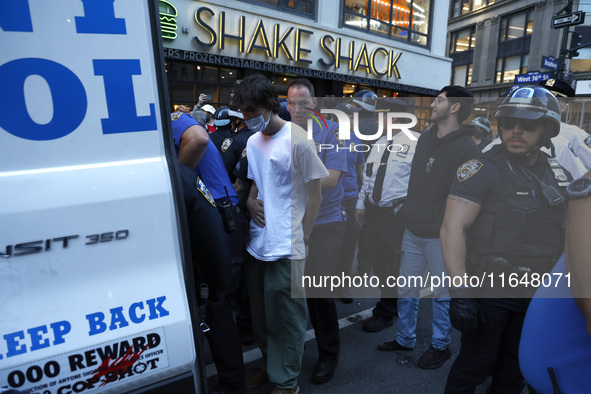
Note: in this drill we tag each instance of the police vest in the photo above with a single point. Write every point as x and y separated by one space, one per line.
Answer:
516 221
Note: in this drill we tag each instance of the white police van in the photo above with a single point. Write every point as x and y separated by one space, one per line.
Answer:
95 284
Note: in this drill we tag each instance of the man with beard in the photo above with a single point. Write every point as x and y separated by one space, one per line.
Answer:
504 218
439 152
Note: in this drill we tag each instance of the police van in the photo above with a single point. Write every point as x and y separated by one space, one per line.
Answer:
96 289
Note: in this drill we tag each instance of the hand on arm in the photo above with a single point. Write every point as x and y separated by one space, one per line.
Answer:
255 206
192 147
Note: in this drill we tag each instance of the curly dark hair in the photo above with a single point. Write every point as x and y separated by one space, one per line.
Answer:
459 94
256 91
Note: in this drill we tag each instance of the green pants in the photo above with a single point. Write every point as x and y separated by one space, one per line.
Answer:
279 321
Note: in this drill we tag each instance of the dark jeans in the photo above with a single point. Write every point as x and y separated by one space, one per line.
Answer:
491 350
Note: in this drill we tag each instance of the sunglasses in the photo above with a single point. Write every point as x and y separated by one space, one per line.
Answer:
526 124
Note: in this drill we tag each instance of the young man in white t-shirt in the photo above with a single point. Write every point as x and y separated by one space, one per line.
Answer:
283 204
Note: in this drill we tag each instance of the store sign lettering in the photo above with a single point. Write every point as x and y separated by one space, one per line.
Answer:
291 43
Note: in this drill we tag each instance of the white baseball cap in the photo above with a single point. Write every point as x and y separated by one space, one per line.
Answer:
208 108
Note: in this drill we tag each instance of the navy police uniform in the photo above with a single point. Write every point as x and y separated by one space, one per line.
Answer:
212 262
520 229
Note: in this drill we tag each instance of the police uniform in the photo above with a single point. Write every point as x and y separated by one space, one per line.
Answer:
212 259
233 151
351 190
324 243
385 184
519 230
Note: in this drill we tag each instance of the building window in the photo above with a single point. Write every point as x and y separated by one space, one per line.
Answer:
305 8
461 50
406 20
514 44
462 75
461 7
520 24
462 40
509 67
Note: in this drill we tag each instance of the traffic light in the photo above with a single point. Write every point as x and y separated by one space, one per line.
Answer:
575 43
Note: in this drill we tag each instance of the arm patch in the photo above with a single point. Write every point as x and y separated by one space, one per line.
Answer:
468 169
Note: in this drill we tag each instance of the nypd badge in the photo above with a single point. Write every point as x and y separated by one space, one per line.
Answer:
175 115
243 155
205 191
336 135
559 174
468 169
403 152
226 144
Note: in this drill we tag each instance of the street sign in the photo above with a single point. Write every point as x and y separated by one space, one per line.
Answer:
549 62
576 18
583 87
531 77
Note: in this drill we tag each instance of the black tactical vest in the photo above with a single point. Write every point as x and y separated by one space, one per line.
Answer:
516 221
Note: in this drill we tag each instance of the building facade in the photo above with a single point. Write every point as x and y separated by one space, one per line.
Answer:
396 48
495 44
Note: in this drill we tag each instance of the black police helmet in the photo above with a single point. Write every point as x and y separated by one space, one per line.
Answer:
366 99
483 123
222 117
532 103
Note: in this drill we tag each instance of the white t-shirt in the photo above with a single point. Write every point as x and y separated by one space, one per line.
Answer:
281 165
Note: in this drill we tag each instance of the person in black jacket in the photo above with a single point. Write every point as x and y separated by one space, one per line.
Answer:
439 153
212 265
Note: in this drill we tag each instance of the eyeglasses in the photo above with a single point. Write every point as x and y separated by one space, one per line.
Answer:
526 124
441 99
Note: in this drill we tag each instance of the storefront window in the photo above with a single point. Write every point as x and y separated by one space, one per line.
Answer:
300 7
406 20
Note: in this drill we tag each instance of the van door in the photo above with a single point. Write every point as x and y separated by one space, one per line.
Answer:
94 294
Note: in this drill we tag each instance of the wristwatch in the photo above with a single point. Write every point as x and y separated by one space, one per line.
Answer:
579 188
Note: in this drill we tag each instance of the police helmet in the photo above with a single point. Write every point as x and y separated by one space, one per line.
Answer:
366 99
483 123
532 103
221 117
235 114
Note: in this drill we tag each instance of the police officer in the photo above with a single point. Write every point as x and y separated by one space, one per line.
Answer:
233 148
366 101
483 136
329 229
385 184
212 266
509 203
223 128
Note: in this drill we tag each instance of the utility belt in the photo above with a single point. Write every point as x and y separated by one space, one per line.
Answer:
228 213
508 265
392 209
